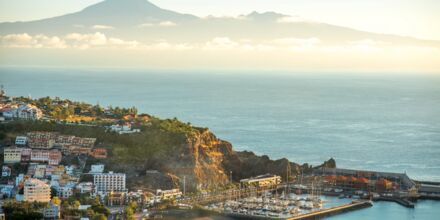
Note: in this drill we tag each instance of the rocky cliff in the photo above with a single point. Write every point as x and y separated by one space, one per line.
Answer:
207 162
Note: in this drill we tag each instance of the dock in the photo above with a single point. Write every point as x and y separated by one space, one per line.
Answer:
401 201
356 205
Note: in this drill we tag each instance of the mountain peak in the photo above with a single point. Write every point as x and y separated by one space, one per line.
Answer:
130 11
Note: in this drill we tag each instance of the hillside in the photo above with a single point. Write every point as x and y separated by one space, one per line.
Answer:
173 148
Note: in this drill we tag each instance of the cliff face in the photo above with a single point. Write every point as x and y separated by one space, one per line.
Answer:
201 161
206 161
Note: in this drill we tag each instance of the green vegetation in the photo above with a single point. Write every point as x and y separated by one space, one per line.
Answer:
23 210
130 210
97 209
62 109
157 139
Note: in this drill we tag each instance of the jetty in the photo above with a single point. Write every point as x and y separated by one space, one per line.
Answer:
355 205
401 201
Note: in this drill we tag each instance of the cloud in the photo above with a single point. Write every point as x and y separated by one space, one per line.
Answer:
102 27
312 46
313 41
167 24
73 40
160 24
27 41
144 25
291 19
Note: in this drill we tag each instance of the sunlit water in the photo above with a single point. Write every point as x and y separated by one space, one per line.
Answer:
385 122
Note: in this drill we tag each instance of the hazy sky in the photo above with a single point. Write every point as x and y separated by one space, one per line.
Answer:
418 18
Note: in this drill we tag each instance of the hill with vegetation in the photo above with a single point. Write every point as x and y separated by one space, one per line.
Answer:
168 148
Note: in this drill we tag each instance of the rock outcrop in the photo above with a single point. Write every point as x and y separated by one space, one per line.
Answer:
207 162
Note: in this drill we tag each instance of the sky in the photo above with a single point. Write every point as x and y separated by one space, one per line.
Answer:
299 41
416 18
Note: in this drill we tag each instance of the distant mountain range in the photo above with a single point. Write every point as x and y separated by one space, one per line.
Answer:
143 21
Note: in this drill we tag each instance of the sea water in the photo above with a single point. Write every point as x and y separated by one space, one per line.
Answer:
384 122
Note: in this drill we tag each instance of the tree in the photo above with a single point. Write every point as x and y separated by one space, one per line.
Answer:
99 217
129 212
76 204
56 201
90 213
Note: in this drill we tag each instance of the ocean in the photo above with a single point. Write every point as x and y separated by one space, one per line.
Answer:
384 122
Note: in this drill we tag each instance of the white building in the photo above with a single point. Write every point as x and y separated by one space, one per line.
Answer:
29 112
19 179
12 155
21 140
9 112
64 192
169 194
266 180
97 168
6 171
70 170
109 182
85 187
123 129
51 212
36 190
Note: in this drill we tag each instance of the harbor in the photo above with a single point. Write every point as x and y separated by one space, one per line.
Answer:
291 208
324 193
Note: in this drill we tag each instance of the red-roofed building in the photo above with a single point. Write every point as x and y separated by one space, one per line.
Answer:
99 153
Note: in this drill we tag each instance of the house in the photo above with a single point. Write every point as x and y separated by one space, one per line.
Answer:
26 154
52 211
19 179
9 112
99 153
55 157
54 170
7 190
85 187
116 198
29 112
266 180
123 129
6 171
40 171
36 190
64 192
21 140
12 155
97 168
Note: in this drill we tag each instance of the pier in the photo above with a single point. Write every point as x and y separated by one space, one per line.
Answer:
401 201
356 205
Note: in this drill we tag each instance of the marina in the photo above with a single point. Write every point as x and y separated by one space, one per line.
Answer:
292 206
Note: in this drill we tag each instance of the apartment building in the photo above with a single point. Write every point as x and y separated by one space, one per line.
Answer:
12 155
36 190
52 157
44 140
109 182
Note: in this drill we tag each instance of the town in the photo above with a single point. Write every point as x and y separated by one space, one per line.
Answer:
54 175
